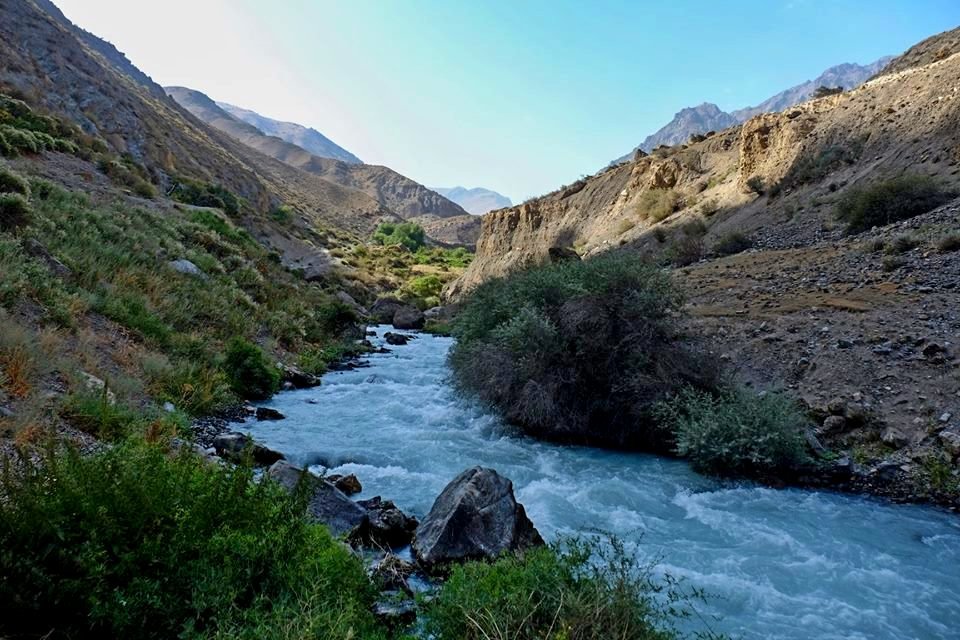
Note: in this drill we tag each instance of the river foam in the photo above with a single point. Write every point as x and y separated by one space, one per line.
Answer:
787 564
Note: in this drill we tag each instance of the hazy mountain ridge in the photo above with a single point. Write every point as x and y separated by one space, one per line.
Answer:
477 200
305 137
402 196
709 117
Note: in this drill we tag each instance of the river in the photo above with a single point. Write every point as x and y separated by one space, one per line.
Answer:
778 563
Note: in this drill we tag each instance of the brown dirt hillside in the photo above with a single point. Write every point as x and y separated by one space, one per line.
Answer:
803 159
399 194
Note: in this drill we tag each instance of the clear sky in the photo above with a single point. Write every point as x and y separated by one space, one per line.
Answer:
519 96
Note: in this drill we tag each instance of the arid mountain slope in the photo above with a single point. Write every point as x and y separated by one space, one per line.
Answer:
304 137
902 122
401 195
70 72
709 117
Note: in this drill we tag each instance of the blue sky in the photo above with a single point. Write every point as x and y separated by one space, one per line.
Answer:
517 96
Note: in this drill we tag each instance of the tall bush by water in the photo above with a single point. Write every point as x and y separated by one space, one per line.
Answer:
578 351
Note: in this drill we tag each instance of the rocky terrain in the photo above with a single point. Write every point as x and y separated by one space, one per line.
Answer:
477 200
304 137
863 328
709 117
399 194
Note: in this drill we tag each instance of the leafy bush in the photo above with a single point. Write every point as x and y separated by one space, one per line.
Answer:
756 184
250 372
202 194
902 244
406 234
657 204
282 214
736 432
883 203
424 287
11 182
576 351
15 211
335 317
823 91
576 589
731 243
133 543
196 388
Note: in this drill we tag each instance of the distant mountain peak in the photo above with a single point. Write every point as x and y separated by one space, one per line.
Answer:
476 200
304 137
709 117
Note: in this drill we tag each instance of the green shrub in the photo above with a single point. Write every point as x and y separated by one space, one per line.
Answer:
20 140
202 194
572 590
130 309
883 203
6 149
902 244
134 543
15 211
737 432
406 234
949 243
756 184
816 164
334 318
193 387
731 243
11 182
576 351
282 214
250 372
892 263
657 204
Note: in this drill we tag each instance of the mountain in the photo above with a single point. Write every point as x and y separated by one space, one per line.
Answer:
304 137
477 200
399 194
709 117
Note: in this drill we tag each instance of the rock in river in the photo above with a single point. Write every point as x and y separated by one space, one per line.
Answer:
407 317
476 516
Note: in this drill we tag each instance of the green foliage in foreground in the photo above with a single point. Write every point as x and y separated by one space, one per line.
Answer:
576 590
406 234
737 432
577 351
250 372
883 203
132 543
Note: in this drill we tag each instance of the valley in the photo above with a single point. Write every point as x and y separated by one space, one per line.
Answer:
252 386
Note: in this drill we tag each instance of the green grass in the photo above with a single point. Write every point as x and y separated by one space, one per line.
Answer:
580 589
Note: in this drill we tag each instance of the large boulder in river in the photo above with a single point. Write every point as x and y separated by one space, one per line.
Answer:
476 516
328 505
408 317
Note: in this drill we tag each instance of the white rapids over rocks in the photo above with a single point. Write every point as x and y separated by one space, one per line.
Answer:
778 563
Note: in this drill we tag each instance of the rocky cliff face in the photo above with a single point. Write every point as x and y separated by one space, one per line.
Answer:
900 122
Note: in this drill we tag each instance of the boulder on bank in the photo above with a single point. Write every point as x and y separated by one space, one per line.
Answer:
396 339
349 484
407 317
389 527
266 413
328 505
476 516
298 379
382 311
234 446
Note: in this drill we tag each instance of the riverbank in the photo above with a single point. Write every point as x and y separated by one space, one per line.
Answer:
770 556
